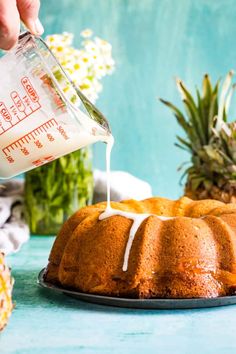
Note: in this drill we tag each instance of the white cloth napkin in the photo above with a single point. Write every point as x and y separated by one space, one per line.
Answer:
123 186
13 228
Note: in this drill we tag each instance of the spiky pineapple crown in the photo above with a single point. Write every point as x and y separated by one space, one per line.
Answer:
210 138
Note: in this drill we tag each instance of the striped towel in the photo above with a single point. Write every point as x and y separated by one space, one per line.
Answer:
13 228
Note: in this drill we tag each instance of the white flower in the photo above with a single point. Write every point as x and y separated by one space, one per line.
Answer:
104 46
87 33
86 65
110 66
64 39
99 70
87 59
91 47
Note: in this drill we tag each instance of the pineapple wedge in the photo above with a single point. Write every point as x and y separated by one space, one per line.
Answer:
6 285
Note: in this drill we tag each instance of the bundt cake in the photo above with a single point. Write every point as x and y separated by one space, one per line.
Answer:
182 249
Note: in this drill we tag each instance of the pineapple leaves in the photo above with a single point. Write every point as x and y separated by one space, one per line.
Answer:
212 113
197 131
221 117
184 92
179 116
201 113
206 88
192 111
210 139
184 143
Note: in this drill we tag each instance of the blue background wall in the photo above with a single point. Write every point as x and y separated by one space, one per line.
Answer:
153 41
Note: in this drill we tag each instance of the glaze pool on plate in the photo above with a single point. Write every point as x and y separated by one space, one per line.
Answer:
140 303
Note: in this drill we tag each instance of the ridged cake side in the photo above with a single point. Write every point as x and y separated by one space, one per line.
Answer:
192 254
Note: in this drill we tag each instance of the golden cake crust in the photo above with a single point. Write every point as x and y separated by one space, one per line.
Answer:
191 254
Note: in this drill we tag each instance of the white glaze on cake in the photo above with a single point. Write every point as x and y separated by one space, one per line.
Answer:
109 212
137 221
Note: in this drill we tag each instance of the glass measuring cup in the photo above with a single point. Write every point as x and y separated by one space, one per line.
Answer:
43 116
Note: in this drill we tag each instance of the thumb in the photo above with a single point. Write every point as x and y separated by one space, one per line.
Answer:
29 11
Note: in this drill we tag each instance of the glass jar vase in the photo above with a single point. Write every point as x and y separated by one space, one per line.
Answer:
53 192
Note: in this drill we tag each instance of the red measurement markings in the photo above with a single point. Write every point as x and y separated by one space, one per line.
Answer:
29 89
10 159
63 133
27 115
14 111
22 108
31 135
38 144
40 162
5 113
25 151
27 101
37 163
18 101
50 137
49 158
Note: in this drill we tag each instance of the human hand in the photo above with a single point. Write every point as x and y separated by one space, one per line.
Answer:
11 13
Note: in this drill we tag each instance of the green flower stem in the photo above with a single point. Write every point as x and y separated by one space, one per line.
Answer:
55 191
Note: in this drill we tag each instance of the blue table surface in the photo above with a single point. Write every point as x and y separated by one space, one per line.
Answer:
45 322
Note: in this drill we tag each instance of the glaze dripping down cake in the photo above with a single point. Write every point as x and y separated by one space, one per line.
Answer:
182 249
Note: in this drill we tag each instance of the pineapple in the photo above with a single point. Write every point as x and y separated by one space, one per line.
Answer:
210 139
6 284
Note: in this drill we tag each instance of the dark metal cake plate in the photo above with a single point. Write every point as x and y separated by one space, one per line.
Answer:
139 303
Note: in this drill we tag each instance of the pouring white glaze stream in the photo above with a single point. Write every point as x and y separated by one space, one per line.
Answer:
109 211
